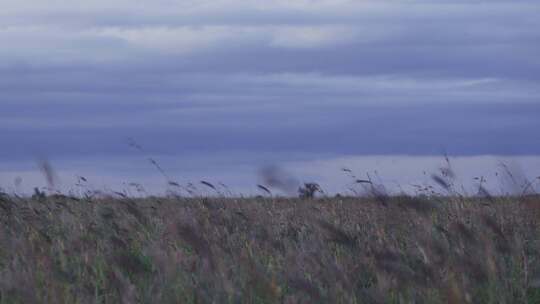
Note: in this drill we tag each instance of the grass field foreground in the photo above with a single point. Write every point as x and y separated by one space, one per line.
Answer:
58 249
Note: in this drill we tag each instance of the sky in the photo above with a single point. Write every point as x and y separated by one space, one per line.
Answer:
217 90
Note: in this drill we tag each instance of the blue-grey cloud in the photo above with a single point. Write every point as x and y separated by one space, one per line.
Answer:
315 78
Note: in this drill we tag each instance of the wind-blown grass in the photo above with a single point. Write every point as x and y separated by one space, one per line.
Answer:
56 249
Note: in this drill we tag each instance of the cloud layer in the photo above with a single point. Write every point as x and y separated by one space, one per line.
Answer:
315 78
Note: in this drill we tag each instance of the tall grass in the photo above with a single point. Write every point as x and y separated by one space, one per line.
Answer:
429 249
439 246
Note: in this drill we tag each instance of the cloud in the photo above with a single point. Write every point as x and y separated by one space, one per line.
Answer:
59 31
321 77
178 39
187 39
310 37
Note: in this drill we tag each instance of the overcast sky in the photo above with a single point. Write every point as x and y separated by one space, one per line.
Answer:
229 85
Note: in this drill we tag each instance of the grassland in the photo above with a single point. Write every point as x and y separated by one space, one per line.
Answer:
57 249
